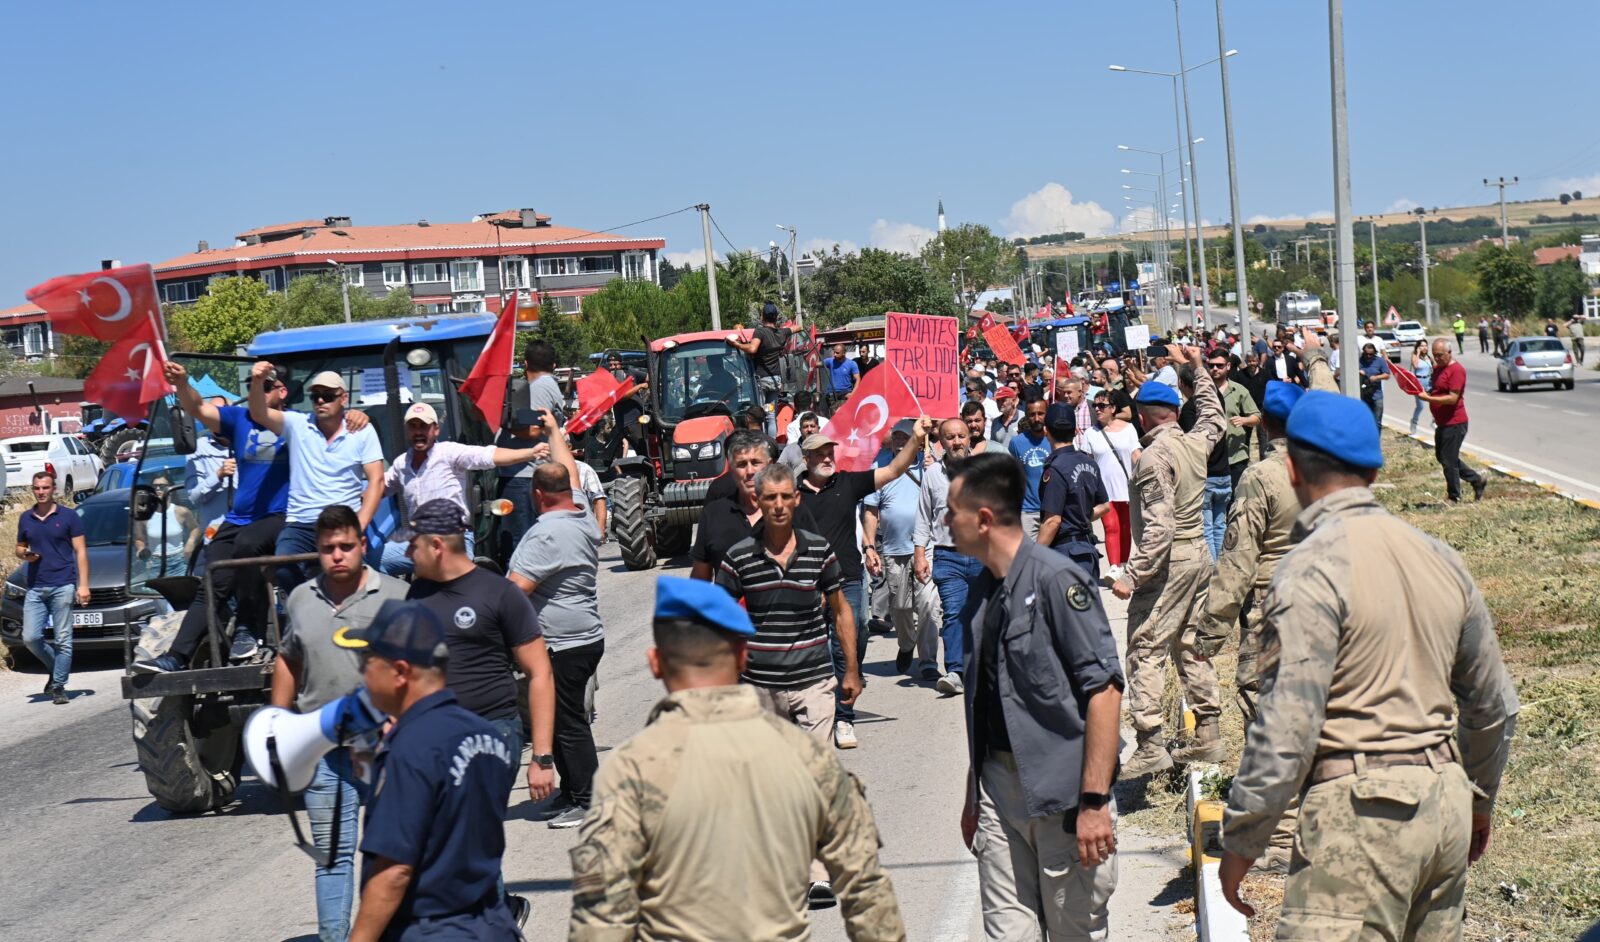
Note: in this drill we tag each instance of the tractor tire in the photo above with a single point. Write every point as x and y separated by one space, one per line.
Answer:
108 447
629 525
187 770
673 541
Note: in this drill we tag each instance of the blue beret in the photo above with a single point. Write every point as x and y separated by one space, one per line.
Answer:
704 602
1280 398
1157 393
1338 426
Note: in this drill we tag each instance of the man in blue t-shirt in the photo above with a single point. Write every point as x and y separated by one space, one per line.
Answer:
50 540
842 372
1030 447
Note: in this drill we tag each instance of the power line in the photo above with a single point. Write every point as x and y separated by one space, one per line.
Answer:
587 233
731 247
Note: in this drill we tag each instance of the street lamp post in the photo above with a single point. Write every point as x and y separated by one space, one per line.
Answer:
1427 293
1372 230
344 287
794 270
1233 186
1194 166
1349 378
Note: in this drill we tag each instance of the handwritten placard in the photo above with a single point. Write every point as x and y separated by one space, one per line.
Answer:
924 349
1136 336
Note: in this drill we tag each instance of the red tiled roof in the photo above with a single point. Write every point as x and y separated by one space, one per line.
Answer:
1552 255
411 241
29 310
282 227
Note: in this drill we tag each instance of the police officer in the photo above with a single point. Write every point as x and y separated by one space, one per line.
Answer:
754 798
1168 568
435 827
1394 737
1043 697
1071 494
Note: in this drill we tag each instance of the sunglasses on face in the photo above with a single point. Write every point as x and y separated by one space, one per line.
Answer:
1102 405
326 396
270 385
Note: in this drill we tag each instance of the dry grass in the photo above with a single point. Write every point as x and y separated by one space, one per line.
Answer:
9 509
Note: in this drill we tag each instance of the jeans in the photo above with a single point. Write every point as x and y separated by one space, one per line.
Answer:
1416 414
336 884
1447 441
952 574
294 539
1219 492
1376 405
854 595
1483 342
52 602
576 759
239 591
395 562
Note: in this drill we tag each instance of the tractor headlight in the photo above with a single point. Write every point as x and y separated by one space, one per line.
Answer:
682 453
711 450
14 591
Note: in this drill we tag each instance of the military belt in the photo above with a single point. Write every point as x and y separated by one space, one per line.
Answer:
1339 764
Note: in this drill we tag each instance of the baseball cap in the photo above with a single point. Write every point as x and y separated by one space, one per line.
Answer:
423 411
438 517
1005 392
327 379
907 427
401 631
705 603
1061 417
816 440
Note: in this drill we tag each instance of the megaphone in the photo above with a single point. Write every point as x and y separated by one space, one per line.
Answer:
283 742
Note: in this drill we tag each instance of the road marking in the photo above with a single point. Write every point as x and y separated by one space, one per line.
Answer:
1400 426
960 906
1535 405
1581 415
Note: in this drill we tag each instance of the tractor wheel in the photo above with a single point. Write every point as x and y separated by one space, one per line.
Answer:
190 767
629 525
673 541
108 447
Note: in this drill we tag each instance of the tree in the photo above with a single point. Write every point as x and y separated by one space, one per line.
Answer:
76 357
1577 194
871 282
626 314
1565 199
1507 282
1562 287
563 332
228 316
745 282
972 253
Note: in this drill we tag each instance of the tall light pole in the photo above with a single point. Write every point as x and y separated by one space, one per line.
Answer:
344 287
1372 230
1233 187
1502 183
1164 300
1194 166
711 266
1427 293
794 269
1342 220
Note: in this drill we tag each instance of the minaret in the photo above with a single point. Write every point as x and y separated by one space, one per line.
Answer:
941 213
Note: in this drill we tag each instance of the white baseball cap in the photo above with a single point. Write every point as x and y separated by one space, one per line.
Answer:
327 379
423 411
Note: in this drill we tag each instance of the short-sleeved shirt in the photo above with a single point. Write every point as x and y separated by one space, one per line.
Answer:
1377 366
560 553
1033 453
723 523
1449 379
790 646
441 784
443 474
262 475
327 671
896 503
324 471
834 510
843 372
545 393
51 537
1238 402
769 356
1071 488
485 619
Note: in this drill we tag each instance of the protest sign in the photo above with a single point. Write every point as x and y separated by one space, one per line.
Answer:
1136 336
924 349
1000 341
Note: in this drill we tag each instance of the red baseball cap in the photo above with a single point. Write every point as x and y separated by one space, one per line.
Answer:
1005 392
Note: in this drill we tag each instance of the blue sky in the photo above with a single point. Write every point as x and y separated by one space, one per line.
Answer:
135 134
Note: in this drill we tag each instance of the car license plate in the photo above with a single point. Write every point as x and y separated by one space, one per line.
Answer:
89 619
1546 374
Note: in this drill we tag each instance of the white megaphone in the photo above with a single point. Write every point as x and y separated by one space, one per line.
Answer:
277 740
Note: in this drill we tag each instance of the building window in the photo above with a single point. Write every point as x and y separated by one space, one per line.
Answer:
352 275
598 265
513 273
182 292
434 307
394 274
471 304
466 275
557 266
569 305
33 340
430 271
273 279
636 266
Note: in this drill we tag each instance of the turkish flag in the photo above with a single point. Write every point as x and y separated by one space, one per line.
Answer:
813 350
106 305
999 340
597 392
1405 379
1043 313
863 421
129 376
486 384
1022 332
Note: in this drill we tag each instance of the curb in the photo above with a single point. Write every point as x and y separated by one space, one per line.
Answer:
1214 919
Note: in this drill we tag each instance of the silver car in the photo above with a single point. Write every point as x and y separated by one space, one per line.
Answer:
1534 360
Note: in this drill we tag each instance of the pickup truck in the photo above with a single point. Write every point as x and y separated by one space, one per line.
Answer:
75 466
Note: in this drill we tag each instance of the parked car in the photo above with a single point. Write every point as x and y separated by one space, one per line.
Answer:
1534 360
1410 333
75 466
120 475
1391 344
99 625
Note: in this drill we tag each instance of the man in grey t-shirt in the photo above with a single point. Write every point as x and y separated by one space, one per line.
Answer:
539 389
557 563
313 672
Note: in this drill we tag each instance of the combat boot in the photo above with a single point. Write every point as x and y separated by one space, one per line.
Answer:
1151 755
1206 746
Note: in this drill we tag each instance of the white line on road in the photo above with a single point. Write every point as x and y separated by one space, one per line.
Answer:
1587 486
1581 415
960 906
1535 405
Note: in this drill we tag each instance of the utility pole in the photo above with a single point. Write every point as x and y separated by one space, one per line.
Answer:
1502 183
711 265
1372 230
1427 294
794 270
1194 171
1243 300
1342 220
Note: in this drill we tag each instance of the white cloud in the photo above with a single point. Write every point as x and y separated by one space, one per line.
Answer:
1051 209
694 258
1589 186
899 236
1292 217
1138 220
1402 205
825 246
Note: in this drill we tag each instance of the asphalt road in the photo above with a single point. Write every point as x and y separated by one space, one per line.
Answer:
86 854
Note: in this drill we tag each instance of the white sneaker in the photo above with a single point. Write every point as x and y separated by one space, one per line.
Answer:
844 734
950 684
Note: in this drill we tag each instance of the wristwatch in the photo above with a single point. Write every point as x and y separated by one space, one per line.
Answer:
545 761
1094 801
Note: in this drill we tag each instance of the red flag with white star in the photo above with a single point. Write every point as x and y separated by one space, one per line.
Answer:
597 392
107 305
129 377
862 422
486 384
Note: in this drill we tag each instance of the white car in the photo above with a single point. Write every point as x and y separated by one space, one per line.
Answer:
1410 332
76 467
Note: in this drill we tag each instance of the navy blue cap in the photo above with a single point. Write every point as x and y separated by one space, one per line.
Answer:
1280 398
1157 394
704 602
1338 426
401 631
1061 417
438 517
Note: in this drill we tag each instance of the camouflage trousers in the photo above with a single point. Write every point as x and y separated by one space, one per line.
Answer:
1246 680
1381 854
1161 625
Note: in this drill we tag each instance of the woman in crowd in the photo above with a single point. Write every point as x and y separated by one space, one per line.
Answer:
1114 444
1422 365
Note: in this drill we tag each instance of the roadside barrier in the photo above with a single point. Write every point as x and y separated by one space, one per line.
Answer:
1214 919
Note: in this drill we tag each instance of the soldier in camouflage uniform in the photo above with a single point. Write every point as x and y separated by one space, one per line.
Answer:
1392 730
753 799
1167 571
